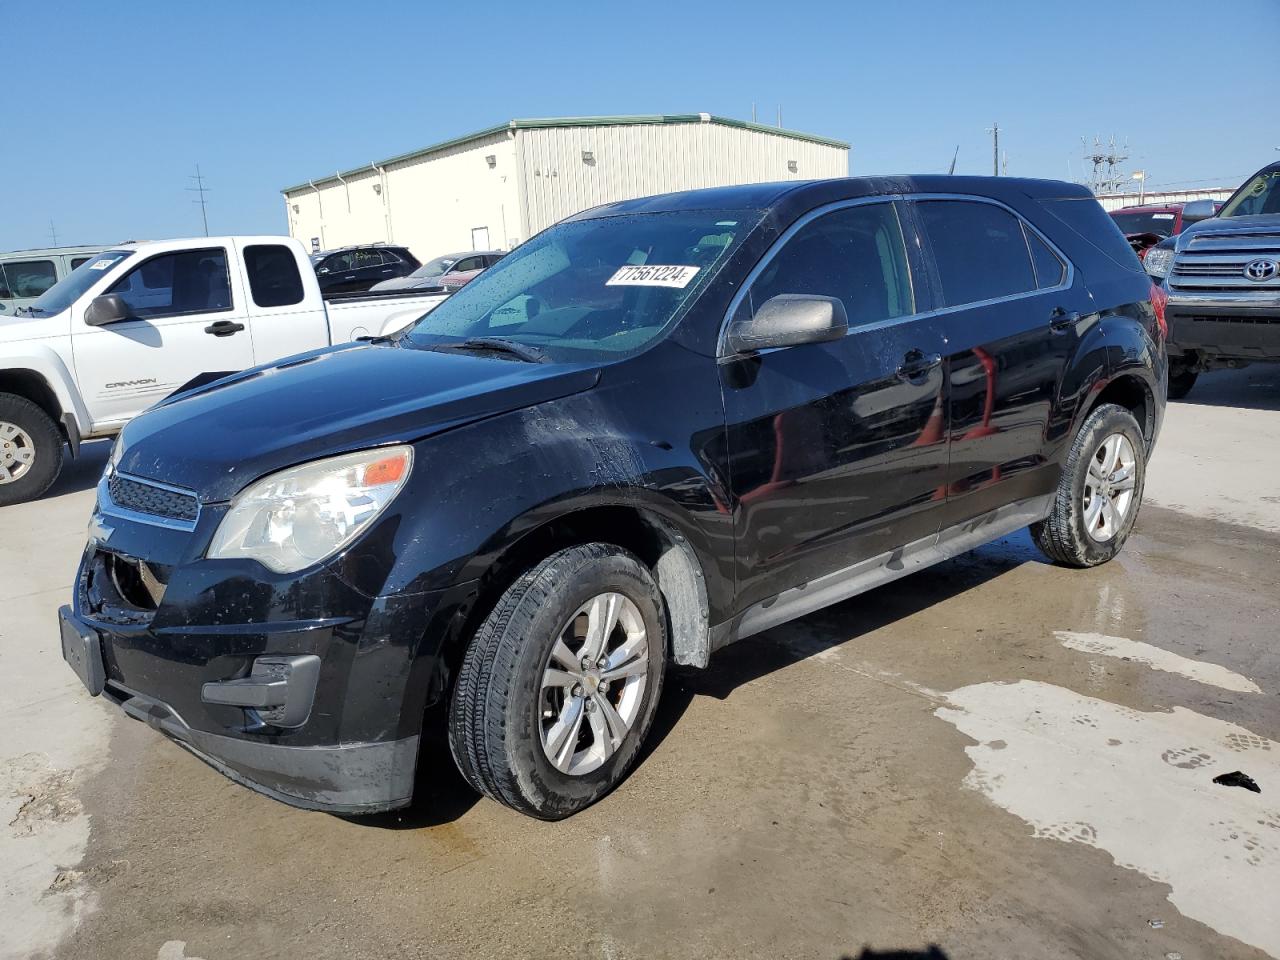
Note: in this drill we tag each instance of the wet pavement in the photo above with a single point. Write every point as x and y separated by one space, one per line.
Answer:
995 758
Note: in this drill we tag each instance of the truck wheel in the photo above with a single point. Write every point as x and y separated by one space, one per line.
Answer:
559 685
30 450
1181 380
1098 497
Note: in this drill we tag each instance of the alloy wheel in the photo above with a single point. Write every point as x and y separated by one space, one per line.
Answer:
1109 487
593 684
17 452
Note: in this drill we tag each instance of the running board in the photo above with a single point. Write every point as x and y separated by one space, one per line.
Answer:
877 571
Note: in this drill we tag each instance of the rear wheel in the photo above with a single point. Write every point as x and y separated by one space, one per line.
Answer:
1097 501
559 686
30 450
1181 379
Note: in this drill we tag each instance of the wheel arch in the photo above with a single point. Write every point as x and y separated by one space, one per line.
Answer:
31 385
1130 391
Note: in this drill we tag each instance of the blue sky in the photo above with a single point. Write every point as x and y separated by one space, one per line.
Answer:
111 105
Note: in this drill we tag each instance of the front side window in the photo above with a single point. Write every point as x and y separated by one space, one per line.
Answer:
435 268
1259 196
467 263
856 255
592 289
26 278
77 261
979 250
274 280
175 284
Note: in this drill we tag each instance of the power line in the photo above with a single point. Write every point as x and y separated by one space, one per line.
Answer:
53 234
201 189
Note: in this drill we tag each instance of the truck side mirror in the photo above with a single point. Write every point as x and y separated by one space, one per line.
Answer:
788 320
108 308
1197 210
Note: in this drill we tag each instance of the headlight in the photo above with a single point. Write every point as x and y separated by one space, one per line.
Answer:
113 461
1158 261
300 516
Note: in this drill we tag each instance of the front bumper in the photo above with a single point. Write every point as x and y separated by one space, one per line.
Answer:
300 687
1242 325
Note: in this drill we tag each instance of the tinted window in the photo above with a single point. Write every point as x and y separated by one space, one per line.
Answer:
76 261
366 258
1050 270
337 262
1261 195
856 255
26 278
274 280
979 250
172 284
468 263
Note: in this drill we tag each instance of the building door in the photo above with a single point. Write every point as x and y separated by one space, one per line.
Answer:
479 238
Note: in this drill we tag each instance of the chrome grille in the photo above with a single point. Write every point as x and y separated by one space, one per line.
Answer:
151 499
1217 261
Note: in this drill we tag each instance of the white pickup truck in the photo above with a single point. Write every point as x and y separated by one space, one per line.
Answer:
140 321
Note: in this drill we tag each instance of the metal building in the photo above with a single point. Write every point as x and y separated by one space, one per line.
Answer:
496 188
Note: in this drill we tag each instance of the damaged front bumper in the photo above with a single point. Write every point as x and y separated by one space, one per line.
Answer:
299 687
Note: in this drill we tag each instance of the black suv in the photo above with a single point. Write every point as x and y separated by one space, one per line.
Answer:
353 269
657 427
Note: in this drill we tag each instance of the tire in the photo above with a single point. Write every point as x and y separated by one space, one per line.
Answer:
1064 535
30 450
505 721
1181 380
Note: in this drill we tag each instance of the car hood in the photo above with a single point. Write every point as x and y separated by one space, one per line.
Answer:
1267 223
406 283
218 438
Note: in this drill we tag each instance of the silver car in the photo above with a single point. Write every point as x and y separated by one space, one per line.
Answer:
434 272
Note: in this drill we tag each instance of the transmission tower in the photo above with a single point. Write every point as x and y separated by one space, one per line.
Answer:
201 189
1106 159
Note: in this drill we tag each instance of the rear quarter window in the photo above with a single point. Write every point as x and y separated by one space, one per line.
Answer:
274 280
1087 220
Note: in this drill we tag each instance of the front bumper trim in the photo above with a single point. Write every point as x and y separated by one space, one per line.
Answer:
350 778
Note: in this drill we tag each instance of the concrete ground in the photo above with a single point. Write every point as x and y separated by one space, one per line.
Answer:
992 758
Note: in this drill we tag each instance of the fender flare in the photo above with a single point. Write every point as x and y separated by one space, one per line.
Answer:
47 364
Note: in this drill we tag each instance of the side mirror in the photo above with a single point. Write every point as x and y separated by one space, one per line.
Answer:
788 320
322 270
1197 210
108 308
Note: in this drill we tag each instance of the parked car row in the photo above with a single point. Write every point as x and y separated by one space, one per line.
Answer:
653 429
382 266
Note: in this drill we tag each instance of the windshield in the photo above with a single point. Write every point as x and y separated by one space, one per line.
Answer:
1142 222
592 288
70 288
436 267
1260 195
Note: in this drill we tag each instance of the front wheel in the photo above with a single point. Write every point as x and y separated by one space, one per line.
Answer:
559 686
1181 379
1097 501
30 450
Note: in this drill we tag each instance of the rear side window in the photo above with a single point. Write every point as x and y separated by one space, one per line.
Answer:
855 254
274 280
979 250
176 284
26 278
1050 270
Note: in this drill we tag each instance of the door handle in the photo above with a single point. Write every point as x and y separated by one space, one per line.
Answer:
1061 320
224 328
916 364
388 270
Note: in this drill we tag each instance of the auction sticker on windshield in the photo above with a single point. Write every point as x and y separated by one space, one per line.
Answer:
653 275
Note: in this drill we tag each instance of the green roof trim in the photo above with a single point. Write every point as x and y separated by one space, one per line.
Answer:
542 123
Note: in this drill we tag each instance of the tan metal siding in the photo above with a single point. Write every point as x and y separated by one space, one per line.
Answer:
637 160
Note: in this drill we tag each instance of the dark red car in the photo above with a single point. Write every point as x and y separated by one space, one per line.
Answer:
1147 225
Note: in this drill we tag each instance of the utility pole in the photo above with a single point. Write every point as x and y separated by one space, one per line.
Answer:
994 130
53 234
201 189
779 116
753 111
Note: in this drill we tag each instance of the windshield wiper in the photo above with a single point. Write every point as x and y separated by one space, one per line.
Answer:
523 351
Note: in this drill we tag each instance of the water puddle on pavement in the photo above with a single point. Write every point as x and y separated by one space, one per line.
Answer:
1138 785
1157 659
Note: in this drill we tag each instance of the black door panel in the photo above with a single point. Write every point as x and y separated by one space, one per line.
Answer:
837 451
